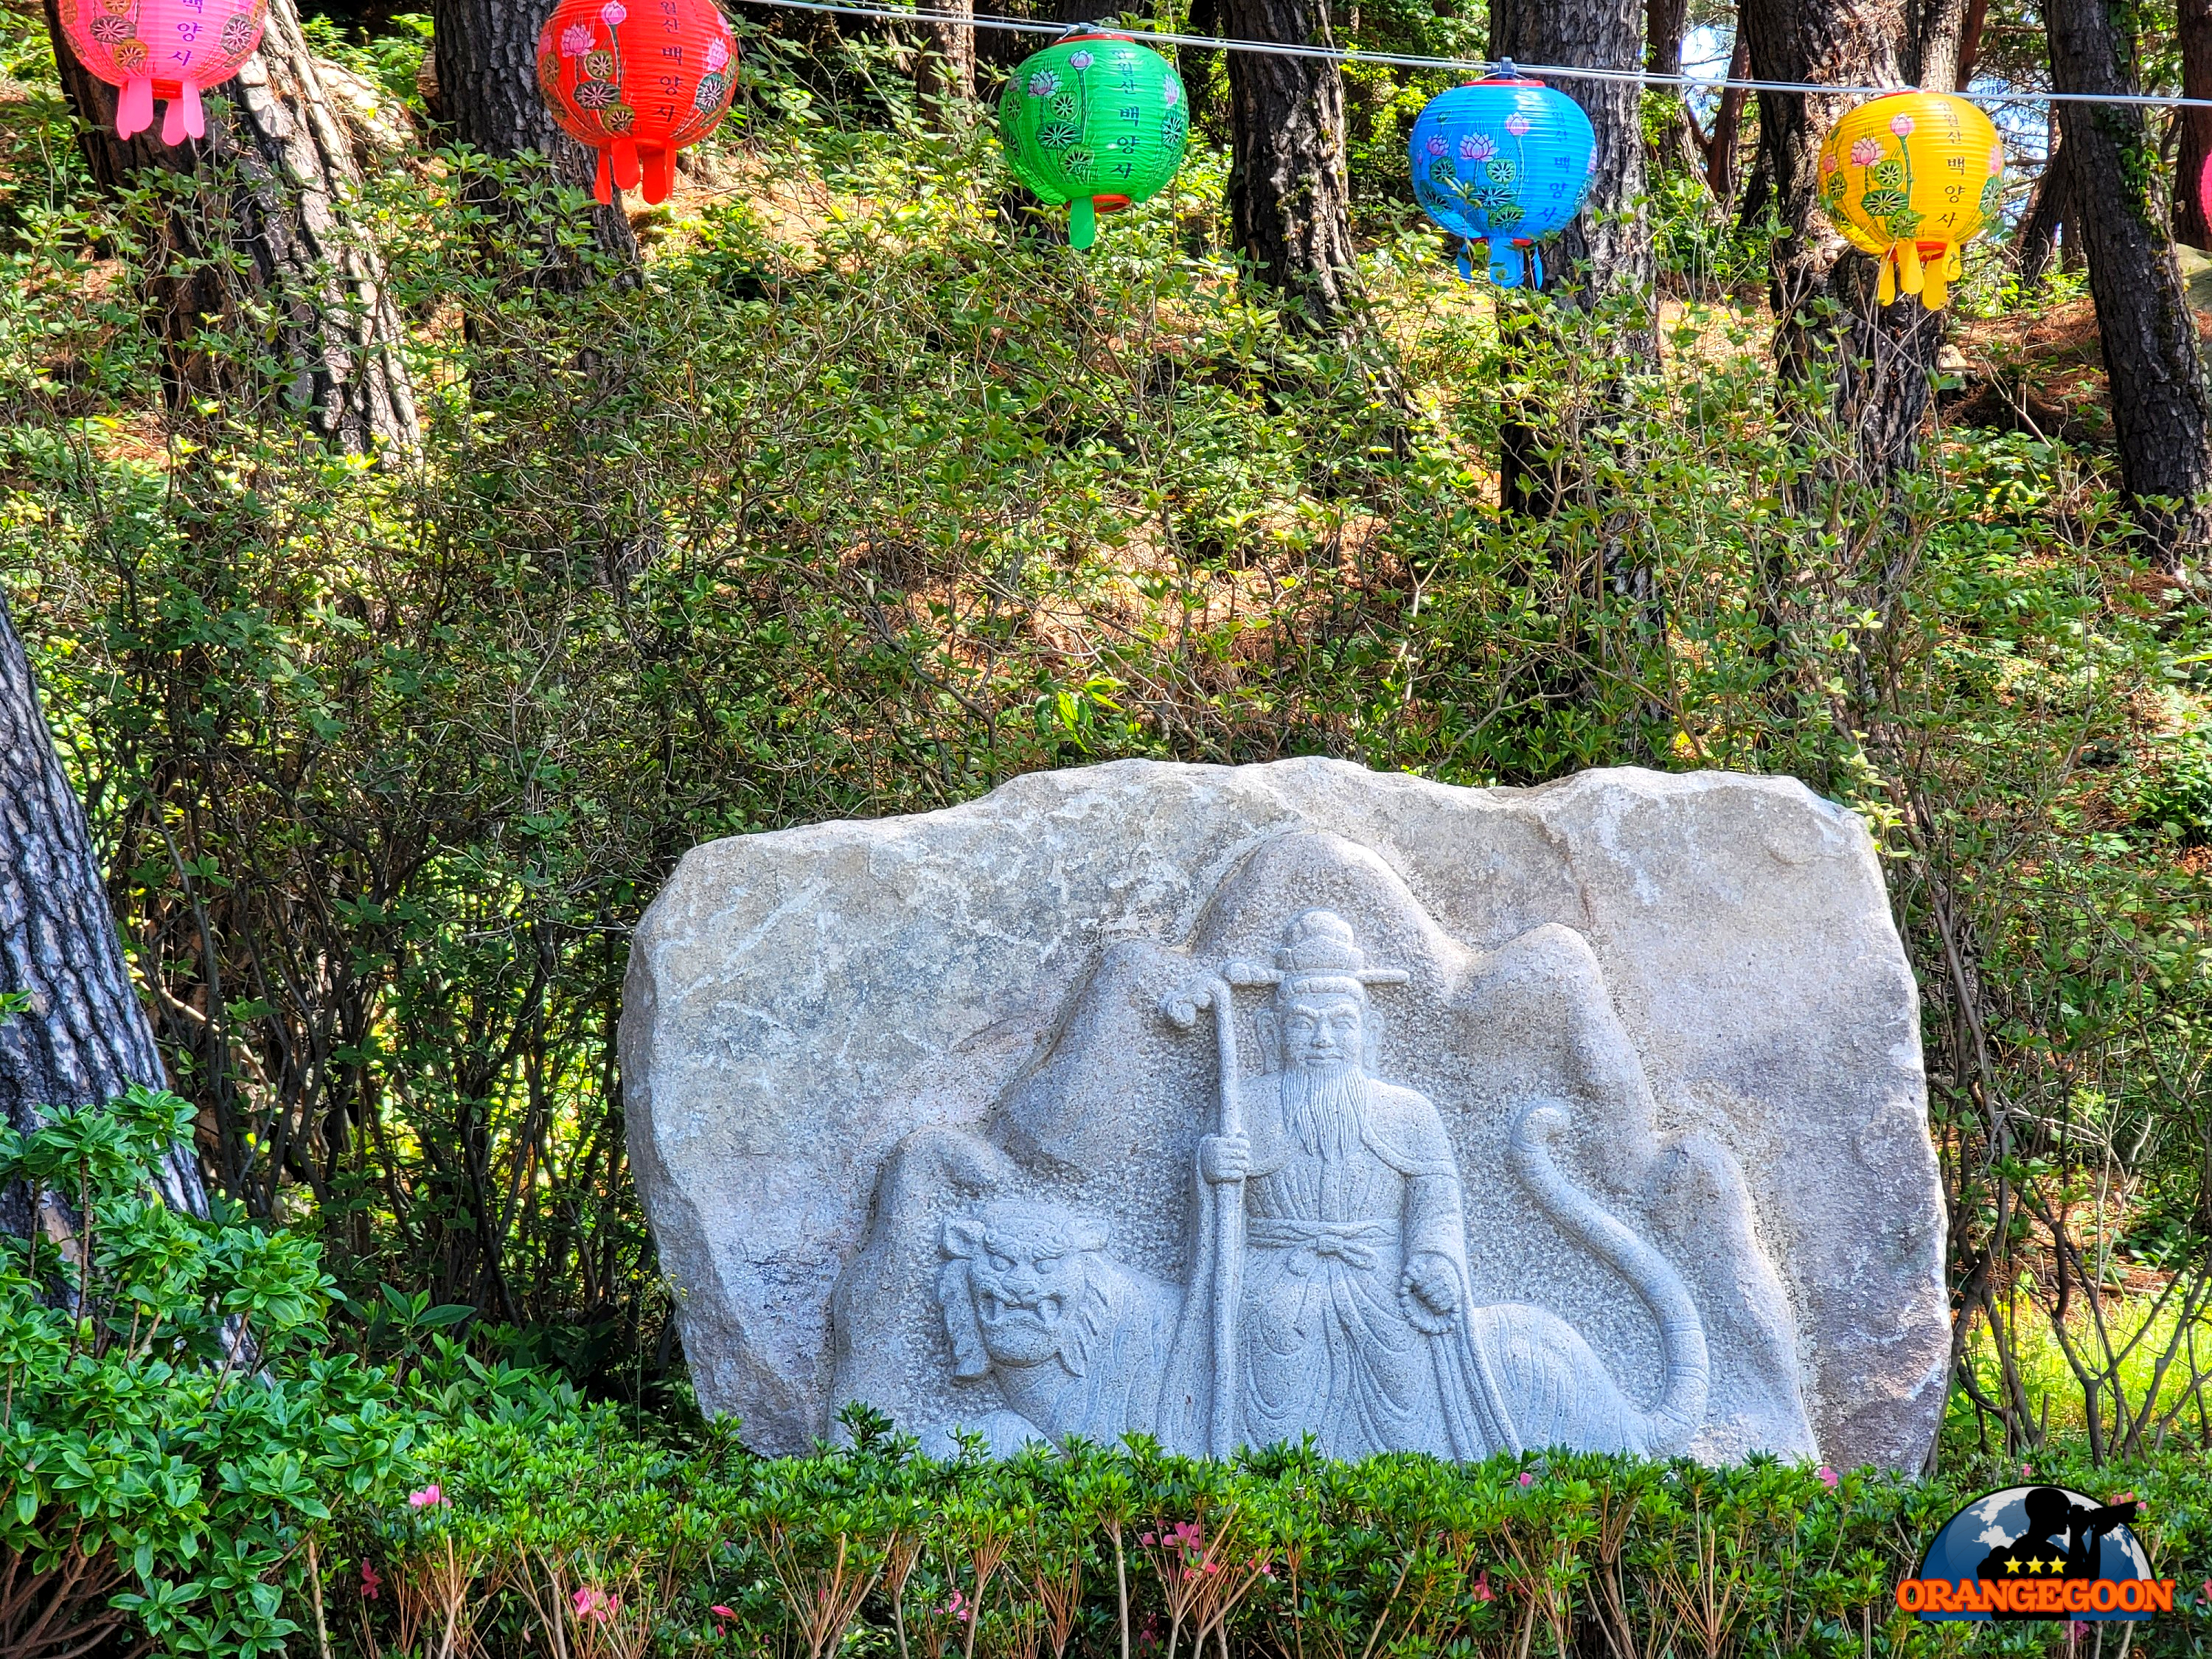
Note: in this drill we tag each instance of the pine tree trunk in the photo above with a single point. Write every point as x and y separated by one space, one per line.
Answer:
486 62
83 1039
1880 359
947 67
1935 29
1290 197
2049 212
268 229
1970 44
1610 233
2161 414
2194 34
1607 251
1722 143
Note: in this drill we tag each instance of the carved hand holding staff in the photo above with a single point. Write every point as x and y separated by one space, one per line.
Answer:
1212 991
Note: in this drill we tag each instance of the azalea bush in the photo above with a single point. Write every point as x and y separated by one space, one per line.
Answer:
174 1431
575 1534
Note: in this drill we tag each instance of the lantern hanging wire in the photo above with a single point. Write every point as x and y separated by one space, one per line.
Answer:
1470 65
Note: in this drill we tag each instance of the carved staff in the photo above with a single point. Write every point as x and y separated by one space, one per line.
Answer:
1211 991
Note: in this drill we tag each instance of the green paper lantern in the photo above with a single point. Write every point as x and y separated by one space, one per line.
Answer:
1095 121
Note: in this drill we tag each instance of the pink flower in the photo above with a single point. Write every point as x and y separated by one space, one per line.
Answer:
1147 1540
1477 147
1482 1591
1527 1479
1865 152
2080 1630
1080 60
721 1612
2027 1473
1902 126
717 55
595 1604
1828 162
1517 124
370 1581
1827 1476
958 1606
2207 1589
1435 145
1997 159
430 1498
613 13
575 39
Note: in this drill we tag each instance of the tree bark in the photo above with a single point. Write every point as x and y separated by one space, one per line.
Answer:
1881 358
83 1038
2049 211
945 69
2161 414
2194 34
1721 144
1607 252
1610 233
270 227
1934 30
487 58
1970 44
1664 23
1290 197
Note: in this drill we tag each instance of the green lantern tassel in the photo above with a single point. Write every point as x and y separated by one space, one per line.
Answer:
1081 222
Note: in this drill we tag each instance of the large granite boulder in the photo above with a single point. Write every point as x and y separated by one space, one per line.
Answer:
1231 1104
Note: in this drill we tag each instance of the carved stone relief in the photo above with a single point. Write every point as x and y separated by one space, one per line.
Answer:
1166 1101
1323 1285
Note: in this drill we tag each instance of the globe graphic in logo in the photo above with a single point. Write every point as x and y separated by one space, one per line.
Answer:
2040 1534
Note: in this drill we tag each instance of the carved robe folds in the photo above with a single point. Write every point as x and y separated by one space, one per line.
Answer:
1331 1346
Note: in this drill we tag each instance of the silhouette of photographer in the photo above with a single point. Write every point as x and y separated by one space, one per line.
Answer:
2061 1541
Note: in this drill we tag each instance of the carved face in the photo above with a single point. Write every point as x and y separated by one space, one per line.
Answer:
1322 1033
1024 1287
1027 1272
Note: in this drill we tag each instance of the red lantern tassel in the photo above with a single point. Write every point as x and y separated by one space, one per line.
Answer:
659 175
626 169
603 183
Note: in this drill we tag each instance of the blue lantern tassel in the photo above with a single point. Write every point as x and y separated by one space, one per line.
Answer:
1504 263
1535 268
1467 261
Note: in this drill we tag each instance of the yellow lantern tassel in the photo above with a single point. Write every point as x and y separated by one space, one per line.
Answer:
1953 261
1910 277
1886 289
1937 273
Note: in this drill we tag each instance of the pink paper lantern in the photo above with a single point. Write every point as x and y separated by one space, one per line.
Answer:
163 49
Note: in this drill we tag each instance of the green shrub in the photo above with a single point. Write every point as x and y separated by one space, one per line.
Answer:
575 1536
172 1431
2177 798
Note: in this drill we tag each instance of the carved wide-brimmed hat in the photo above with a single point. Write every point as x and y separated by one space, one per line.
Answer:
1321 956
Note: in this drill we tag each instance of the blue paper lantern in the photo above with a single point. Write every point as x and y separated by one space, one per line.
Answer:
1504 161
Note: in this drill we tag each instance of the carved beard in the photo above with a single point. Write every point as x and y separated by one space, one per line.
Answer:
1324 1104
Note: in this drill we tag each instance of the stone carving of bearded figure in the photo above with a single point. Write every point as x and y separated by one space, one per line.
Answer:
1354 1320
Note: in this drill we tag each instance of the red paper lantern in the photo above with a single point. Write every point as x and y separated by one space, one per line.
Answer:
162 49
637 79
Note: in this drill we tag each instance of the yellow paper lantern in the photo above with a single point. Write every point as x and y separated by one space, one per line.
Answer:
1910 177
